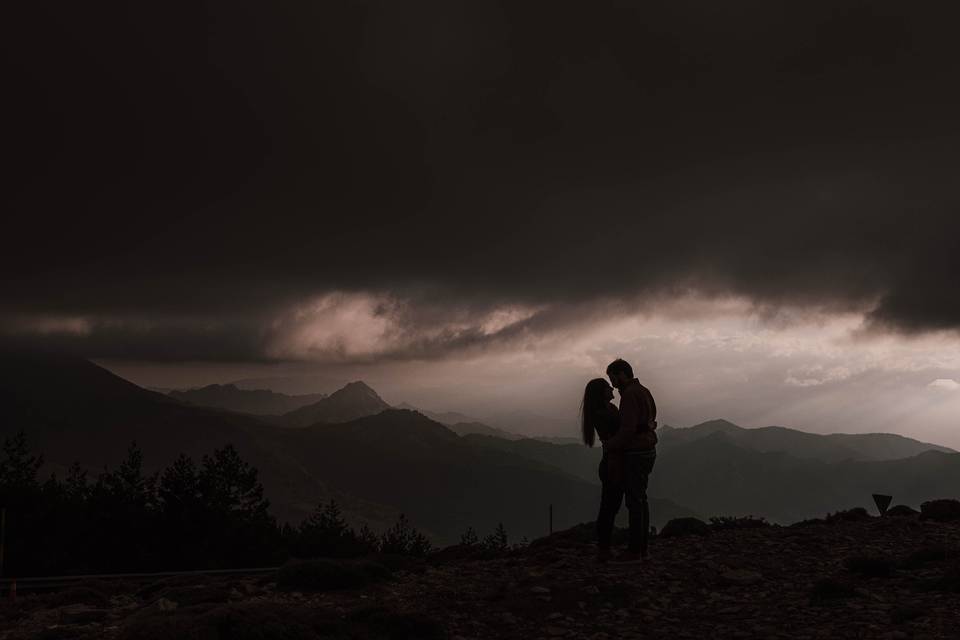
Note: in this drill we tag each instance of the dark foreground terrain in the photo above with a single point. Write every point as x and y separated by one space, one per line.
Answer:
862 577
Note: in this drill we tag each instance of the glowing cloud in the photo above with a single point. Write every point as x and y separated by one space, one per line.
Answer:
945 384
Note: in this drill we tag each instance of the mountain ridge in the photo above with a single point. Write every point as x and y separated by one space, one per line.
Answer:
376 467
261 402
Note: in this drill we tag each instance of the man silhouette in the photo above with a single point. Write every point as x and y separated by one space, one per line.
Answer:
636 439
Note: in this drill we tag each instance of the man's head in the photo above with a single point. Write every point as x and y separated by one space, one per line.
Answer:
620 373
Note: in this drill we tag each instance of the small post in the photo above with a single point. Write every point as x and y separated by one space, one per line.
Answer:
551 519
3 535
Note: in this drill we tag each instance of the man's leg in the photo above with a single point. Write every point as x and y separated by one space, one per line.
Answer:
639 465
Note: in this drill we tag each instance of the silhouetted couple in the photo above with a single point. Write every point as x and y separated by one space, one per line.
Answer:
629 438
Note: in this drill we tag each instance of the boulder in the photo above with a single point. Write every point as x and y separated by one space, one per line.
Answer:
679 527
940 510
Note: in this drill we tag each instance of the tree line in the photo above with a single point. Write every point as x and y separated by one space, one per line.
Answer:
211 514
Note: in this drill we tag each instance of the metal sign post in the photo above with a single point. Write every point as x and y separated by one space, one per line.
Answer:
882 502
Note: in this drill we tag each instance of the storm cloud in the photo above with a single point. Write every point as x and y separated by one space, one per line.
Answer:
198 180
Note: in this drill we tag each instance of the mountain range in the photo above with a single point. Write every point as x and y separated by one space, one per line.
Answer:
379 461
785 475
376 466
260 402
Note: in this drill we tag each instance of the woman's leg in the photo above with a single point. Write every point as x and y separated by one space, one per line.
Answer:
611 496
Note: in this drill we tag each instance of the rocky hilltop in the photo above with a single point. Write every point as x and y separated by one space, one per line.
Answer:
846 576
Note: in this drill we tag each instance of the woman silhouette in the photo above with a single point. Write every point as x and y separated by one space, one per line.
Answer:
600 417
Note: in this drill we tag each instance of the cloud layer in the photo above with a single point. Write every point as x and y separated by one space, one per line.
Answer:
238 181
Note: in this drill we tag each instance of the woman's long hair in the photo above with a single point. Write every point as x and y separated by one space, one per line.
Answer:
594 397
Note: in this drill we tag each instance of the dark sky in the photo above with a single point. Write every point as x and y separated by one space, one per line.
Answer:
185 172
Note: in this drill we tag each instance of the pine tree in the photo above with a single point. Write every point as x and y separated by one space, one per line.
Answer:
18 468
368 539
469 537
403 539
497 540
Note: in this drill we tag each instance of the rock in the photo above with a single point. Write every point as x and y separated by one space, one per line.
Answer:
901 511
741 577
556 631
679 527
592 590
81 614
165 605
540 590
940 510
555 615
123 601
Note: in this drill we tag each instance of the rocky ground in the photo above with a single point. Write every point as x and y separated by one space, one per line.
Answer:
866 578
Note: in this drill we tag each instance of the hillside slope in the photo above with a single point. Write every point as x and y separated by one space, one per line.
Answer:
442 481
376 467
754 584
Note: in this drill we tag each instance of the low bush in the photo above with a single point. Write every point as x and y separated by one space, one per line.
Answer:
901 511
322 574
810 522
857 514
723 523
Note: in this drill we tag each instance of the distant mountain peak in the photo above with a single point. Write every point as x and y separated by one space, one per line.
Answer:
718 424
358 386
354 400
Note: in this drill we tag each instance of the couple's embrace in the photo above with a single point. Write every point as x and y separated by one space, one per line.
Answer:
629 438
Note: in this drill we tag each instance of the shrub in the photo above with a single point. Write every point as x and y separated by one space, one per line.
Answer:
869 566
857 514
901 511
723 523
324 574
940 510
679 527
810 522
